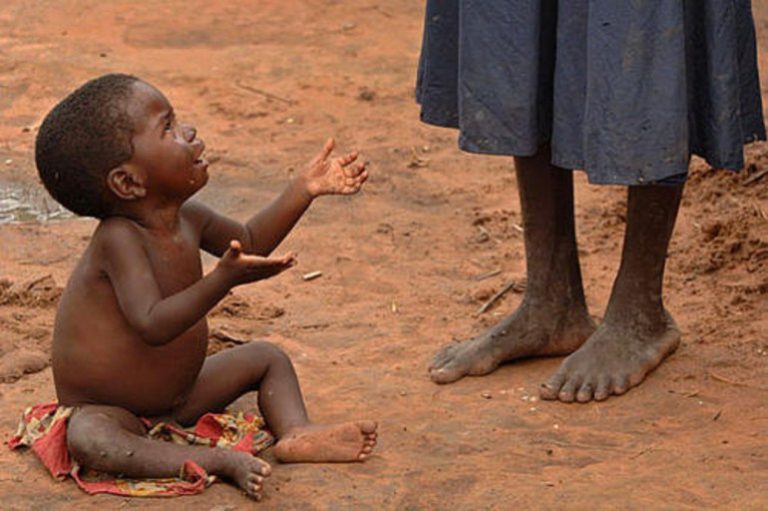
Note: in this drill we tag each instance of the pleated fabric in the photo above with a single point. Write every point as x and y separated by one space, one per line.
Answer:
626 90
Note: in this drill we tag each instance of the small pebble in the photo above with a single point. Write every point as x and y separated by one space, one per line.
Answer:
366 94
486 395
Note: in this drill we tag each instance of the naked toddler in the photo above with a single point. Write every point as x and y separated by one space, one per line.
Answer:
130 336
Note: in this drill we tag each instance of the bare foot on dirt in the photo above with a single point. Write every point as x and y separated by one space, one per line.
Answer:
246 470
615 359
529 331
348 441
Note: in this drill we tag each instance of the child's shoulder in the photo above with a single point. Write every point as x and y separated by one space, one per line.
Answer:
115 232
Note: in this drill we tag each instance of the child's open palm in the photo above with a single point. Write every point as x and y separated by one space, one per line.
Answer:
342 175
244 268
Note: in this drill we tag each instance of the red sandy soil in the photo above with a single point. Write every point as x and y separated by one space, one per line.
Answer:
266 82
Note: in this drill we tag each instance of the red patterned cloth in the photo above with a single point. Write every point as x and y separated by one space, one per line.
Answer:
43 428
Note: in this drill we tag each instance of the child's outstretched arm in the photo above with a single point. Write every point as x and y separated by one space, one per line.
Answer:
325 175
157 319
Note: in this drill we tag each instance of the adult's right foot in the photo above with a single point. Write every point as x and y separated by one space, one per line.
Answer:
532 330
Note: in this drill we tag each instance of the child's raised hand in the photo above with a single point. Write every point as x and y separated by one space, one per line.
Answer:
342 175
243 268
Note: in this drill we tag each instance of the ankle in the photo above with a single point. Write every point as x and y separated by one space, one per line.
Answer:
294 429
548 303
217 461
645 319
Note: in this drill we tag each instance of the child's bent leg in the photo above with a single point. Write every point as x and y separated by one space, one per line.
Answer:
553 318
264 367
229 374
637 332
112 440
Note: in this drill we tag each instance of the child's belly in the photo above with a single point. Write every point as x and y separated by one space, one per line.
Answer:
128 373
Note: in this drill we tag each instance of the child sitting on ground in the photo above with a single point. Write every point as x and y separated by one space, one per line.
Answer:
130 337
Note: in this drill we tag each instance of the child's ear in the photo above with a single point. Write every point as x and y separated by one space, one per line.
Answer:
126 182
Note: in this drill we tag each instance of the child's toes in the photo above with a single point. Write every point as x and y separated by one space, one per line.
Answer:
254 486
262 467
254 491
367 427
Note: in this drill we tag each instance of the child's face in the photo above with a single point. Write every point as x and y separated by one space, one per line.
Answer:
167 152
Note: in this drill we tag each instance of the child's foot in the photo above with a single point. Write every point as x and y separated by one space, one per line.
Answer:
246 470
616 358
349 441
529 331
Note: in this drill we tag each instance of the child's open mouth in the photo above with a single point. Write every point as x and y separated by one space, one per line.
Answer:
200 160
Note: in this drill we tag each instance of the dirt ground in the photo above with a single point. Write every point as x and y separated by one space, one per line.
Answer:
402 270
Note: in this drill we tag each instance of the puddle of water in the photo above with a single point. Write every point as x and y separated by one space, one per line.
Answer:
20 204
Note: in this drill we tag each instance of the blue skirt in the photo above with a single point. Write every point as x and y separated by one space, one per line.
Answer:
626 90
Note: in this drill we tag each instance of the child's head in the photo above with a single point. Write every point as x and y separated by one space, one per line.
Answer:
85 136
113 141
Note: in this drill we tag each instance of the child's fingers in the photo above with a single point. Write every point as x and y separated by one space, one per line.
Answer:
354 170
258 262
290 259
359 178
325 152
353 185
348 158
353 181
235 248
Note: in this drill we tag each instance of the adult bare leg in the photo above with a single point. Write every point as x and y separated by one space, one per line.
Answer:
552 318
637 332
110 439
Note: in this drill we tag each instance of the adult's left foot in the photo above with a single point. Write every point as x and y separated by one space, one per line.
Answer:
614 359
324 443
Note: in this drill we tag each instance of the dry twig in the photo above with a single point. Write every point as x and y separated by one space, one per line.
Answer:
512 285
224 336
487 275
754 177
723 379
264 93
312 275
